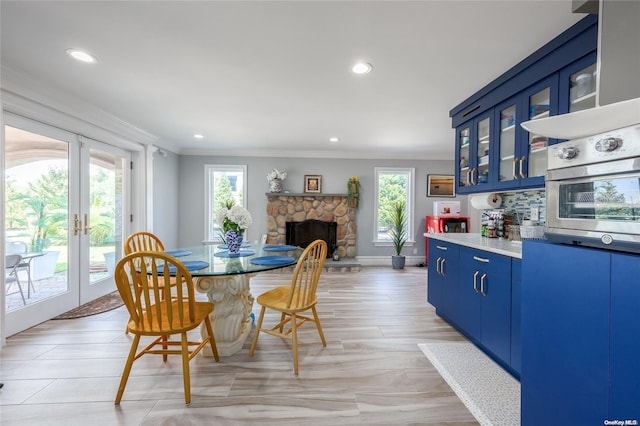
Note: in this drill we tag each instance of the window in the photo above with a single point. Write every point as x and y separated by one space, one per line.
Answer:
223 182
392 185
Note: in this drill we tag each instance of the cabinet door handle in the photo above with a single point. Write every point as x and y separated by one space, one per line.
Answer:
438 265
473 176
482 279
475 281
442 248
469 177
522 160
481 259
515 176
442 266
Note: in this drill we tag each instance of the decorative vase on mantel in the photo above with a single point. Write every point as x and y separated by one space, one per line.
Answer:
234 241
275 185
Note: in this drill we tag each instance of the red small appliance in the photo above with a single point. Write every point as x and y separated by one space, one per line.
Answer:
442 225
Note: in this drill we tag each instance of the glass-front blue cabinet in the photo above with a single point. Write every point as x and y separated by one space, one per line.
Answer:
493 151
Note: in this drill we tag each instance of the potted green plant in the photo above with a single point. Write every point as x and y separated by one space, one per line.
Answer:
398 233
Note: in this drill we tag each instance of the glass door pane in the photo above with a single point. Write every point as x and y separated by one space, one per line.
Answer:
484 136
102 220
465 154
37 205
539 104
582 92
508 162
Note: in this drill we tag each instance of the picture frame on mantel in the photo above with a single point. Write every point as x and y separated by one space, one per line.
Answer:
440 186
312 184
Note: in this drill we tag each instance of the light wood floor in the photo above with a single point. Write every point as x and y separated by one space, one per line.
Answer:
66 372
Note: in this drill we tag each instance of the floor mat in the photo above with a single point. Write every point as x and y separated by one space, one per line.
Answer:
102 304
489 392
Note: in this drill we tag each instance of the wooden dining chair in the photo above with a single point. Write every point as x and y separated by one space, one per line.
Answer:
294 300
137 276
147 241
142 241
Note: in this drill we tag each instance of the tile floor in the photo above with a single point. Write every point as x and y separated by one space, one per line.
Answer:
66 372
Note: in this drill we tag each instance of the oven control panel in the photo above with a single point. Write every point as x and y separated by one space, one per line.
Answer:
610 146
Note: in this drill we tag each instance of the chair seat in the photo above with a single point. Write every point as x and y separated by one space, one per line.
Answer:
202 309
278 298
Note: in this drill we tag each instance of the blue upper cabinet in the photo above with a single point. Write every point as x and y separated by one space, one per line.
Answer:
493 152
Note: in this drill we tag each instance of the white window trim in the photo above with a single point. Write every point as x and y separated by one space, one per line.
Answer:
208 169
410 203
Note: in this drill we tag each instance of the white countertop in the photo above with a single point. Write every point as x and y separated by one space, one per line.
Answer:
492 245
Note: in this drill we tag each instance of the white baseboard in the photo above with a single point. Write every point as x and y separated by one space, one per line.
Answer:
386 260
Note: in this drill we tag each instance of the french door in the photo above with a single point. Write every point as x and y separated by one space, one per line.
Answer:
66 198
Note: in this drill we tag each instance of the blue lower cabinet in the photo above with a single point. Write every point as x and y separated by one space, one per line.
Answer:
516 315
625 338
442 277
485 300
565 335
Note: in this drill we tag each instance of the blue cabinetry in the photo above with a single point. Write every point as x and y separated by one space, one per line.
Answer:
516 315
625 338
485 300
443 277
579 335
556 79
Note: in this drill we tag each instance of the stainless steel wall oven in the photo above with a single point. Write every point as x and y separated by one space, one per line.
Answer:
593 191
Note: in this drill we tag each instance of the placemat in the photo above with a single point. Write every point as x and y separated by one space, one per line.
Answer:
178 253
280 247
273 260
242 253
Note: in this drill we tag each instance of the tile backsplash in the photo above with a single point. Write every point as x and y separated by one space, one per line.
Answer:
521 202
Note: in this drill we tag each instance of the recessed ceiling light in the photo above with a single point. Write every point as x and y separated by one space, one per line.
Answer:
362 68
333 139
82 56
198 136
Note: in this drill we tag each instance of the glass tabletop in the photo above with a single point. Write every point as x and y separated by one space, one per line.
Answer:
252 258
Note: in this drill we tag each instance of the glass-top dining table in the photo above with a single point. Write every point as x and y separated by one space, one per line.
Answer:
224 278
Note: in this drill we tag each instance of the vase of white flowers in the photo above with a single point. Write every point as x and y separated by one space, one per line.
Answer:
275 178
233 220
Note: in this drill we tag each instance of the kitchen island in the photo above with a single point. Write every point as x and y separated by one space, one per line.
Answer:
474 283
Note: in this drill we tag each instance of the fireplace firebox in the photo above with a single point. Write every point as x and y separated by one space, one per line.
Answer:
303 233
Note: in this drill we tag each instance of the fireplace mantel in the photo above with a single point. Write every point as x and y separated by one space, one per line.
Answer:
283 207
302 194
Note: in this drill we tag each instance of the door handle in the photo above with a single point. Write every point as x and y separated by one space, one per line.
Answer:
86 222
77 224
522 160
473 176
442 266
438 266
515 176
475 281
482 279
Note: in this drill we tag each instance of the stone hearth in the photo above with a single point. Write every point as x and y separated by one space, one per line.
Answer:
283 208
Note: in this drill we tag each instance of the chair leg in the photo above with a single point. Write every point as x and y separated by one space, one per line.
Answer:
127 367
294 338
185 368
212 339
318 325
165 356
257 331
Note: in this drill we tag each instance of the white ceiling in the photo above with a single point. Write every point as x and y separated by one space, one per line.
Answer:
273 78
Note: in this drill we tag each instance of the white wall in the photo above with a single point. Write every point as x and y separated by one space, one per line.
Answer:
335 173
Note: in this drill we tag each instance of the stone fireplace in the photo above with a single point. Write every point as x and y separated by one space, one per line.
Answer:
283 208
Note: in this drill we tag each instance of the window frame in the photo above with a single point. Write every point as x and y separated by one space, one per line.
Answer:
410 173
209 196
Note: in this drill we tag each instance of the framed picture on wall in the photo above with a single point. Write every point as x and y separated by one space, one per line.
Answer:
313 184
440 186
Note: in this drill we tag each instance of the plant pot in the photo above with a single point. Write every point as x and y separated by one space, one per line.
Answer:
397 262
